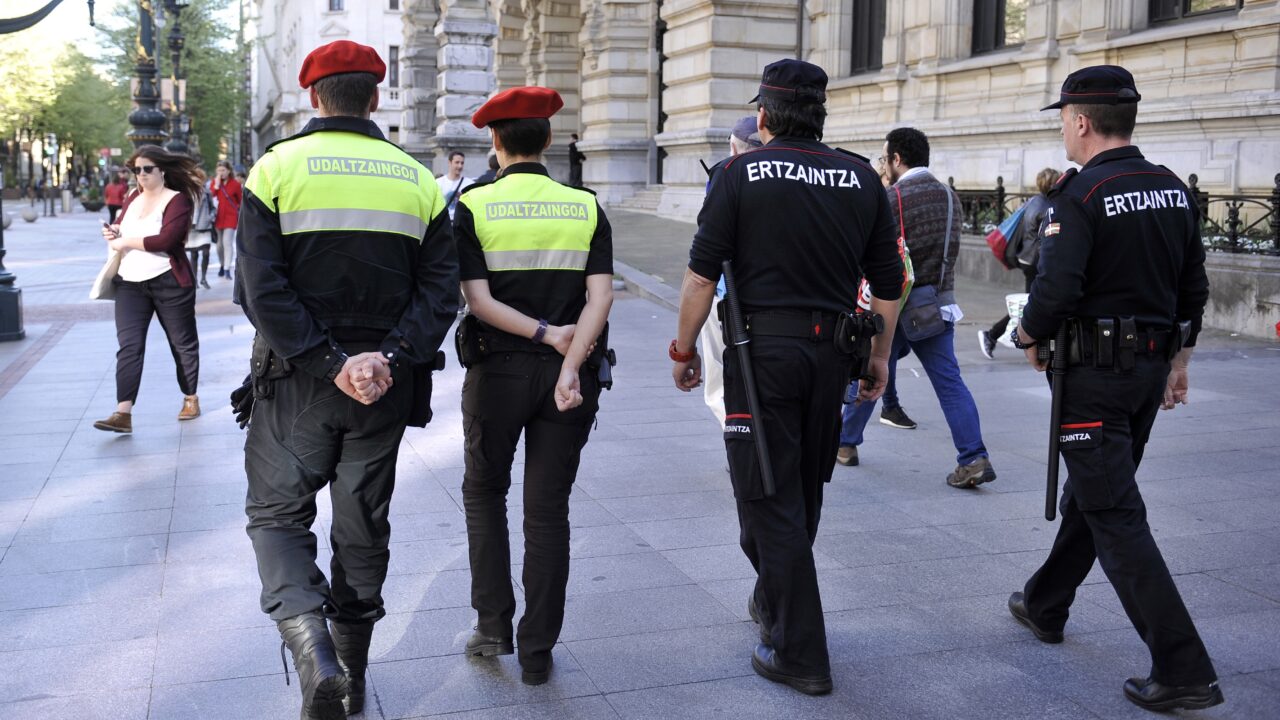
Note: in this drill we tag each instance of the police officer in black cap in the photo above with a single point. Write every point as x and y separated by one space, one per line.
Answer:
1122 264
800 223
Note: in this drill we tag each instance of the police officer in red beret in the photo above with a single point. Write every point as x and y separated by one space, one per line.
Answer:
536 263
348 271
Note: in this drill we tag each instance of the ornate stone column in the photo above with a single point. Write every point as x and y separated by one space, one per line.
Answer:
418 65
716 51
619 81
465 62
552 59
509 44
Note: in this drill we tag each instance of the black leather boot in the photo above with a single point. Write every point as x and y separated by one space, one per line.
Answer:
323 683
352 644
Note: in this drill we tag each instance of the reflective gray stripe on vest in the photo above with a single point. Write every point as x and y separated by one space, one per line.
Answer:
352 219
500 260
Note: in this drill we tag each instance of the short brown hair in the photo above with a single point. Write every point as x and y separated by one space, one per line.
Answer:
347 93
1110 120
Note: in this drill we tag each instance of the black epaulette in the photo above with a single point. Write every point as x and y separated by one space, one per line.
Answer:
1062 181
853 155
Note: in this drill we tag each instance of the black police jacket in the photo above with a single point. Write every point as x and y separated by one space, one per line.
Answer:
802 223
321 270
1122 238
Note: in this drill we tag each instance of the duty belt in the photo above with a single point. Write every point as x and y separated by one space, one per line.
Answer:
1115 342
813 326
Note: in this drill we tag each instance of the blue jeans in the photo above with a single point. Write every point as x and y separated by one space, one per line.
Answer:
938 356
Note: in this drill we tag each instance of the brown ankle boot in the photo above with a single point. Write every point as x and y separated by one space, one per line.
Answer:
118 422
190 408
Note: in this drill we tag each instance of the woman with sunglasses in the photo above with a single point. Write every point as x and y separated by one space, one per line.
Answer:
155 278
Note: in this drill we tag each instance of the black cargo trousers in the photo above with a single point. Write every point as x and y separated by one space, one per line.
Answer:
507 394
1107 417
801 385
307 436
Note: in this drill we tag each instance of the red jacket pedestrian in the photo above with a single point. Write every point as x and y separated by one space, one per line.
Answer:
227 195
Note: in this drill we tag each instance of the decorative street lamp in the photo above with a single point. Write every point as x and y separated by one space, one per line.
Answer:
147 120
178 135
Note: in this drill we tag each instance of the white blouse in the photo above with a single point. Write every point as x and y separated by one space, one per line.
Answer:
140 265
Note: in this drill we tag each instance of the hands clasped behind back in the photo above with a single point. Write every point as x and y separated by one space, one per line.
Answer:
365 378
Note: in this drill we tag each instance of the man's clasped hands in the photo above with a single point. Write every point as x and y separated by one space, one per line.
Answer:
365 377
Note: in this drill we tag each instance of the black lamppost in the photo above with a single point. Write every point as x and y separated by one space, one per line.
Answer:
178 134
147 120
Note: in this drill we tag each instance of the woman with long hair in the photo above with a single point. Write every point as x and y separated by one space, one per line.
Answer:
226 194
155 278
201 234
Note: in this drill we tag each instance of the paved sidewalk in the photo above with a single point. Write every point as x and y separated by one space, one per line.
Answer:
128 588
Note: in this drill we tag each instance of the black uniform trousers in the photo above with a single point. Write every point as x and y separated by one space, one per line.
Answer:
1104 517
136 303
504 395
307 436
800 384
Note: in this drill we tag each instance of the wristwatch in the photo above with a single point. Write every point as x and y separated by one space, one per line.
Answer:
1017 341
678 356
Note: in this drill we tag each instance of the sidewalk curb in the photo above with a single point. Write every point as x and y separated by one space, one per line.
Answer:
647 286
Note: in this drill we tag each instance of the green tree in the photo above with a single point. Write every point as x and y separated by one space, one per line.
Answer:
211 64
29 78
89 111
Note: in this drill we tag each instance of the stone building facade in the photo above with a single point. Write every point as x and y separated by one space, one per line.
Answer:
653 86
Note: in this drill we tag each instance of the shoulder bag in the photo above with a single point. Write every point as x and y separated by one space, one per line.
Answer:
921 318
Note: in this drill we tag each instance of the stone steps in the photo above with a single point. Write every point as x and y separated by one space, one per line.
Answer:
644 201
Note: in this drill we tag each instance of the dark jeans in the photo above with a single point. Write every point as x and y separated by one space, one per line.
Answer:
112 212
1029 273
1104 518
305 437
799 384
503 396
136 302
575 174
938 356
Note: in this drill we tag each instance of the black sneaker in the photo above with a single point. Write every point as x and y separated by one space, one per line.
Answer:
896 417
986 344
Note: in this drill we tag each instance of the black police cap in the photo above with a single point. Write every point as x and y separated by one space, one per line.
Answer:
793 81
1098 85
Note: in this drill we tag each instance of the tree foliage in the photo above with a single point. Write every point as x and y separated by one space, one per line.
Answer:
89 111
210 63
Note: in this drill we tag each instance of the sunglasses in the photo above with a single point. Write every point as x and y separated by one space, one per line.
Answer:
144 169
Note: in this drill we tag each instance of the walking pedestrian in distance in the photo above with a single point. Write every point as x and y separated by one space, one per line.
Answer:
227 194
155 278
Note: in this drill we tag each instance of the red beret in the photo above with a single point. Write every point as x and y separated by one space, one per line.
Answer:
519 103
340 56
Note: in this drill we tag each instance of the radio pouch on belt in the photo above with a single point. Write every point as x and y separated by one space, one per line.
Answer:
1128 345
602 359
420 412
853 335
1104 342
266 366
1181 334
467 341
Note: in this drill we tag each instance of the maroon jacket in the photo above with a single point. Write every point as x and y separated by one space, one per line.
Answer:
172 240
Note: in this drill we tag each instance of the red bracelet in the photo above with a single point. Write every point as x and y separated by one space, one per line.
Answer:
679 356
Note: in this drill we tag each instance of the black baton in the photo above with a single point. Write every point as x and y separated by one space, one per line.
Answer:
739 339
1057 379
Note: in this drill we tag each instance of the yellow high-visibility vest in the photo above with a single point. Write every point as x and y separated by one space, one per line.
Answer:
527 221
345 182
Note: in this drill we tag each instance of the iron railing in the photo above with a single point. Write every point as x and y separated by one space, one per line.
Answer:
1244 223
